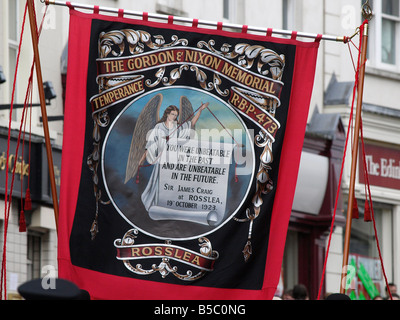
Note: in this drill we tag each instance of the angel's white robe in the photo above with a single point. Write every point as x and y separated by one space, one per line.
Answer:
156 144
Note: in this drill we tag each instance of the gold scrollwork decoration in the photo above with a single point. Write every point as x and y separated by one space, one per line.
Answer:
168 253
115 42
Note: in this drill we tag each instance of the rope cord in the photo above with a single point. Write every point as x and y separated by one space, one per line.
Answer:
365 172
341 172
223 126
3 282
28 101
372 210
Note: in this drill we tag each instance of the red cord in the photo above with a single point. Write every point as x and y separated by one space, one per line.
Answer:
366 175
8 198
334 211
341 174
372 210
3 282
23 121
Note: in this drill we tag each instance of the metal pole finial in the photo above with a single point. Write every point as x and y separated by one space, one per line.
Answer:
367 11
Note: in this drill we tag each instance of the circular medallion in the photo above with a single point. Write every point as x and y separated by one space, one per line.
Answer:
178 163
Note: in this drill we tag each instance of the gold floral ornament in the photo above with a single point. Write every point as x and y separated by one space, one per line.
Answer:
271 65
127 250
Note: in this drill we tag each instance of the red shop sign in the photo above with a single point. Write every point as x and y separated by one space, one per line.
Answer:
383 165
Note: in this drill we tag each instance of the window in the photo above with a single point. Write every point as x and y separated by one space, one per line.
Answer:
287 14
34 256
229 7
170 7
363 239
226 9
385 35
390 25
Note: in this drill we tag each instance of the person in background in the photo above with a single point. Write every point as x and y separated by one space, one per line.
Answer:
337 296
393 290
300 292
288 295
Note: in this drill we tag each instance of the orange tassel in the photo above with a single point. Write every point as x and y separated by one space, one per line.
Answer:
28 201
367 212
355 212
22 222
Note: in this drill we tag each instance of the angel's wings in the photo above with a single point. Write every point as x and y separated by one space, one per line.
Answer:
185 110
146 121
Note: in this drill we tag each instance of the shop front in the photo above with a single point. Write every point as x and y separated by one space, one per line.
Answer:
30 167
32 252
383 166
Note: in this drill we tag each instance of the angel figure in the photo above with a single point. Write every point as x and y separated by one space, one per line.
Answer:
151 136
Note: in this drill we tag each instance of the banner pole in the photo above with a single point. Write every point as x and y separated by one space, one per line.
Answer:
74 5
360 90
34 34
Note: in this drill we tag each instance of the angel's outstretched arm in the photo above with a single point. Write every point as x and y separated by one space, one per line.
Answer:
197 116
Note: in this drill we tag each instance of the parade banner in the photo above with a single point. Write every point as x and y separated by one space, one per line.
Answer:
180 158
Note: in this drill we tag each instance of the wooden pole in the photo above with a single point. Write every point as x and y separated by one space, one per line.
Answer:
33 26
360 90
